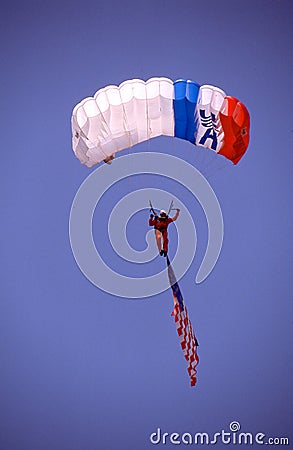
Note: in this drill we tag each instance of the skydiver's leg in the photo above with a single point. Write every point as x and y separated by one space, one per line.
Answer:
159 239
165 242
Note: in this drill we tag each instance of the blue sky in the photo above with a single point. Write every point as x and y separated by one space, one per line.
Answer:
84 369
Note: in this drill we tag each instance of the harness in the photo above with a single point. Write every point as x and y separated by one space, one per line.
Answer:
161 224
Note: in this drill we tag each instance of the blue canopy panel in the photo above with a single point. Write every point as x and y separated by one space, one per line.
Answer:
184 104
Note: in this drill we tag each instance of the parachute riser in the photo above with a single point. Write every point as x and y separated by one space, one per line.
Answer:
151 208
169 210
171 207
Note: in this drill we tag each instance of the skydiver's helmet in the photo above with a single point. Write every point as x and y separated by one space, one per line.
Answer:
163 213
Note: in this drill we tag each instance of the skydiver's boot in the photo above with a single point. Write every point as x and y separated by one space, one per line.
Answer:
165 254
162 252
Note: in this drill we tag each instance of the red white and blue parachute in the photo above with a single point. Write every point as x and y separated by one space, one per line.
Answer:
119 117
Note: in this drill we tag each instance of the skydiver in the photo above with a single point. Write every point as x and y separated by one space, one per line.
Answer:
160 224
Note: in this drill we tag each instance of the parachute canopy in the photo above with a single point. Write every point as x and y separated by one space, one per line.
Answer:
118 117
